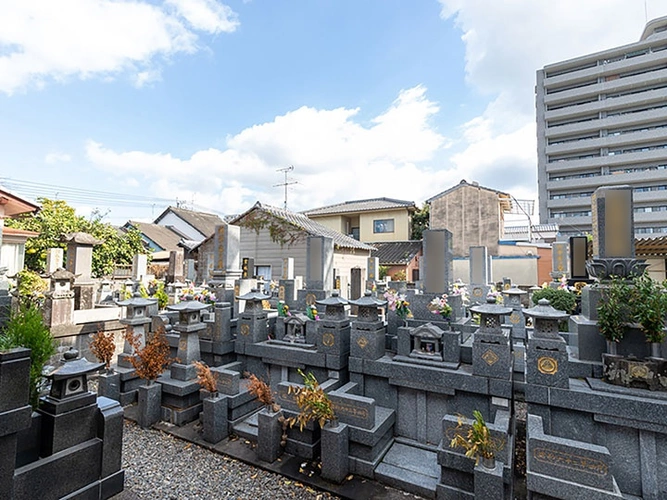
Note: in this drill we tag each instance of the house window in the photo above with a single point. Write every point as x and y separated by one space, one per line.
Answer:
355 233
383 226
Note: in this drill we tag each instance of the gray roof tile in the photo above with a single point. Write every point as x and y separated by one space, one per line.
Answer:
361 206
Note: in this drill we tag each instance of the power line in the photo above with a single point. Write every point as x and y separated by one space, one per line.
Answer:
35 190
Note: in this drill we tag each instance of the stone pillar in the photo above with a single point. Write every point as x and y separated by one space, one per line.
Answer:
80 263
319 271
578 258
139 266
437 264
15 411
559 264
288 269
54 259
319 264
480 274
175 269
269 434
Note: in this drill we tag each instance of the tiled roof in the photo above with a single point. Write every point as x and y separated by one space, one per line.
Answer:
505 196
161 235
203 222
309 226
647 247
15 205
397 253
362 206
12 231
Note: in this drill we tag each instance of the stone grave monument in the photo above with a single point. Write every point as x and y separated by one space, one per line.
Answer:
80 263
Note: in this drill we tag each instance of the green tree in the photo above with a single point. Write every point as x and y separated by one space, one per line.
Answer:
57 218
420 221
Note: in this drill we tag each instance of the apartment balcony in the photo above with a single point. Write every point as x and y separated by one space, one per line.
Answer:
574 204
610 122
627 140
609 87
612 68
657 156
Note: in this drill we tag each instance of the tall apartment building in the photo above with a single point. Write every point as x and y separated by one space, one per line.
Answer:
602 120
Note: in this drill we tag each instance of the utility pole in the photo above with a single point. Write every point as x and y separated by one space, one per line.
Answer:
286 183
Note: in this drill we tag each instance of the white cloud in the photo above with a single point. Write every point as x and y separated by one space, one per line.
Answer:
57 157
506 42
206 15
335 158
44 41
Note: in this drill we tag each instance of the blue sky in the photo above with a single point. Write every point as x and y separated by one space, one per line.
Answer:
130 105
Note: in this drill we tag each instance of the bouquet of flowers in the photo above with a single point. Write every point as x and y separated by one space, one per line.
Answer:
202 295
440 306
397 302
311 312
283 309
459 288
498 296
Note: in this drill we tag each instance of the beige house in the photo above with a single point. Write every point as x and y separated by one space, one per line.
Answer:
474 214
371 221
293 229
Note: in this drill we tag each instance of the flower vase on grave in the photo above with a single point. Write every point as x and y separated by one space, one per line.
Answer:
149 398
335 445
269 434
214 418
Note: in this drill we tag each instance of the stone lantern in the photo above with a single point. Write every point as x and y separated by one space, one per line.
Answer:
368 331
188 326
69 401
512 298
491 349
61 283
546 355
334 328
59 303
251 326
136 317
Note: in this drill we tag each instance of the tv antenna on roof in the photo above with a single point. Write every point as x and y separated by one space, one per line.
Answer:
285 171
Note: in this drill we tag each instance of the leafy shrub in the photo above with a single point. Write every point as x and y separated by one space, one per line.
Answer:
103 347
477 441
313 402
262 391
152 359
26 328
614 310
205 377
558 298
649 307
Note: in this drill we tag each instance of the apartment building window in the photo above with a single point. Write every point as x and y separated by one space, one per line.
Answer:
556 177
650 230
383 226
580 213
659 208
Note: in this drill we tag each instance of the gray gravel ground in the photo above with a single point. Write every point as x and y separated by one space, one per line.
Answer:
161 467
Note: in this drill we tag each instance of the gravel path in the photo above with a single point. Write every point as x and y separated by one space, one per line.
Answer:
161 467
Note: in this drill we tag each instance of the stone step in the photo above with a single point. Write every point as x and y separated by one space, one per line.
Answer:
409 468
247 428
